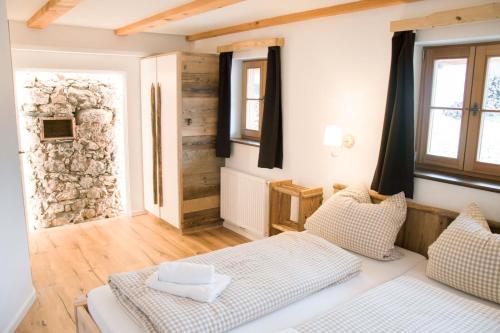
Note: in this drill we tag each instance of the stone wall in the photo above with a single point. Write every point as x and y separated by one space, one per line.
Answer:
70 181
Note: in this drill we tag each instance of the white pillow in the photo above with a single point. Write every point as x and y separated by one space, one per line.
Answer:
350 220
466 256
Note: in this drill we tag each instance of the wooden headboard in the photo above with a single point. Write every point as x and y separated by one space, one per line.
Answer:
423 223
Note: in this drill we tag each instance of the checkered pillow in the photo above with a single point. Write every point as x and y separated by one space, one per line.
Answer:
350 220
466 256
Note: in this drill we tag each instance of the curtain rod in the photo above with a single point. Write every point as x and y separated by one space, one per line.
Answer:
251 44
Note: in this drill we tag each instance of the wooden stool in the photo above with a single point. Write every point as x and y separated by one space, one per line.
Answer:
280 198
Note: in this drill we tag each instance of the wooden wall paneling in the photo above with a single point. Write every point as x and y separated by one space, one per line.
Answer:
200 166
195 205
200 185
202 218
199 116
200 84
200 75
200 63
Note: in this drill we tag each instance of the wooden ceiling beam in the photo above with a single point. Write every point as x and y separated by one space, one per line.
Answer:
344 8
49 12
190 9
480 13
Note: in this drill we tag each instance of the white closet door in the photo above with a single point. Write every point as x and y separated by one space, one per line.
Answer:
168 76
148 78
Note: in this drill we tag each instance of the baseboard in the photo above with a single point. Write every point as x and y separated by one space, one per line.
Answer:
138 212
242 231
11 328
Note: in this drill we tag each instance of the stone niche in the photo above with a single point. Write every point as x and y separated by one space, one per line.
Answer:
75 179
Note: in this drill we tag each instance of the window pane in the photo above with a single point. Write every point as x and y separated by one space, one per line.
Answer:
444 132
492 86
252 115
489 138
253 83
449 83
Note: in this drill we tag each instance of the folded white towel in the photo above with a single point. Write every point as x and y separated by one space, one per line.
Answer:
199 292
186 272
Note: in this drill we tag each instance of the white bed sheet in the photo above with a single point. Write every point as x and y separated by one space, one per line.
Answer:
112 318
418 272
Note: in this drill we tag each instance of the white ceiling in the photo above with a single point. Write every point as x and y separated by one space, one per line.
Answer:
112 14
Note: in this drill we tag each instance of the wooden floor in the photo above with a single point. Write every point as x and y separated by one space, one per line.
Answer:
70 260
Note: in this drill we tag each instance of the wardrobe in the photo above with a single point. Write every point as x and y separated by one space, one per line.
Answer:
179 122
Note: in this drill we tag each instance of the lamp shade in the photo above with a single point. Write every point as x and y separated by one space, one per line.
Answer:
333 136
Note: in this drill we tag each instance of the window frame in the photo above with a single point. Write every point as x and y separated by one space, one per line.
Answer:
483 52
249 64
465 164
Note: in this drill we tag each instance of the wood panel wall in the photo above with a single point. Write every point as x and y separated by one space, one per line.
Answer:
200 167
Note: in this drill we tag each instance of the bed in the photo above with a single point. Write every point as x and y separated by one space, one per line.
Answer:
110 317
418 272
410 303
100 312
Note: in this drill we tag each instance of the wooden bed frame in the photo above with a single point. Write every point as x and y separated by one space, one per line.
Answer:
422 227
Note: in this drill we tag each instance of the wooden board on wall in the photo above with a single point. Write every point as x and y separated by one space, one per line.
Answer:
200 166
201 169
199 116
200 75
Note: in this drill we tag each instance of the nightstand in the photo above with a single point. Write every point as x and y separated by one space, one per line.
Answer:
280 200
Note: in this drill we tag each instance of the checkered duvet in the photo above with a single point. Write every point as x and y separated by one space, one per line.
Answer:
406 305
266 275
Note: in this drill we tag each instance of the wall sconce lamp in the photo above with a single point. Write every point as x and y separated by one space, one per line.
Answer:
336 139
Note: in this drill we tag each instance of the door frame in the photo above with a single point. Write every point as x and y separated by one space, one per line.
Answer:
124 184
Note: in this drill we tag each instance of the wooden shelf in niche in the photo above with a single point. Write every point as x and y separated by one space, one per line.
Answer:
57 128
280 204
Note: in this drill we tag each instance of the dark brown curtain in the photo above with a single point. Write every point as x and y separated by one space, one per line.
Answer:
223 142
271 137
396 161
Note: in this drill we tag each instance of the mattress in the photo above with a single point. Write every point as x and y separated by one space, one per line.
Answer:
112 318
418 272
406 304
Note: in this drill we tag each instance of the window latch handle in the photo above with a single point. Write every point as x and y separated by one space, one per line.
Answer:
474 109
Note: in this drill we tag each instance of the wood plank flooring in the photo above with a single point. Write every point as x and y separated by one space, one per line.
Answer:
69 261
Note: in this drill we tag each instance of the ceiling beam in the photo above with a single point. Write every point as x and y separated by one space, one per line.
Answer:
251 44
486 12
344 8
178 13
49 12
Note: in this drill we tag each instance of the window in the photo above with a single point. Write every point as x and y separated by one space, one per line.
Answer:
254 85
459 115
58 129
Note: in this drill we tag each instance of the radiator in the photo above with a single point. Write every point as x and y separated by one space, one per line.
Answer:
244 202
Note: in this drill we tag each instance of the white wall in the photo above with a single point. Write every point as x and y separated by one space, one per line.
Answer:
16 289
336 70
87 49
92 40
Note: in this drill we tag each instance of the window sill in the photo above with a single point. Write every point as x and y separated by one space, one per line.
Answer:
481 184
247 142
